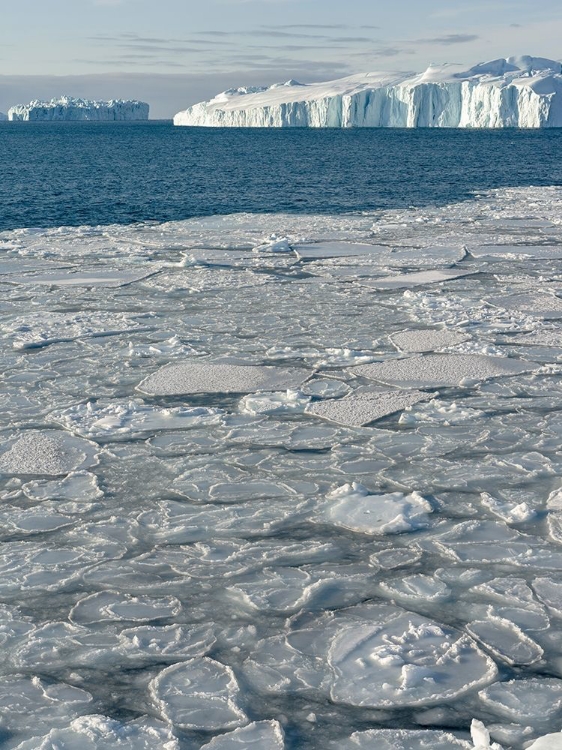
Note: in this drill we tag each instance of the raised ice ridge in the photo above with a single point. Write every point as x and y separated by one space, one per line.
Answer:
68 108
519 92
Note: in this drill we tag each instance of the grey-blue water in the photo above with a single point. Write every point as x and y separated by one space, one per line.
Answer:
53 174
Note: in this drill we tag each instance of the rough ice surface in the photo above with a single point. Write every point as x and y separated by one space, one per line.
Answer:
69 108
435 370
355 411
218 378
50 452
427 340
401 739
101 733
516 92
237 555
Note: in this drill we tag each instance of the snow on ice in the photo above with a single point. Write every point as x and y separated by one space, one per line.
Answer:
519 92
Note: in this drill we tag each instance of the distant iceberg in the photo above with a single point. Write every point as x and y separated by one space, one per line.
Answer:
3 116
67 108
518 92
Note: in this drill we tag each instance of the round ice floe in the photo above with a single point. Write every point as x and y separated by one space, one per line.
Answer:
109 606
27 704
353 507
201 694
33 521
531 700
205 377
506 640
119 420
427 339
78 486
408 661
260 735
31 567
434 370
49 452
401 739
96 732
172 643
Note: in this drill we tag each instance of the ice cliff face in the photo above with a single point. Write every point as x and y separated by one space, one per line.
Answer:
67 108
521 92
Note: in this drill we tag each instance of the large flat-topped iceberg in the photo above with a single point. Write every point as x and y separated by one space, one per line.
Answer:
67 108
521 92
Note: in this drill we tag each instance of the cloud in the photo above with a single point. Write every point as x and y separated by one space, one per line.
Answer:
449 39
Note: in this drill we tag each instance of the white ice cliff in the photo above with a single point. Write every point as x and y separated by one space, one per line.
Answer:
67 108
522 92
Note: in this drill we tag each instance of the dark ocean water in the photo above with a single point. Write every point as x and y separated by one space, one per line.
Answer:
53 174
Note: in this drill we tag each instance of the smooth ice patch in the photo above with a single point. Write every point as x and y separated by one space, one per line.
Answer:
505 640
511 252
427 340
260 735
219 378
419 278
363 409
536 304
49 452
102 278
548 742
434 370
201 694
109 606
326 250
97 732
127 420
353 507
41 329
78 485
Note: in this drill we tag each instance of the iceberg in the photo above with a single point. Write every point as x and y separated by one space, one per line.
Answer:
3 117
68 108
518 92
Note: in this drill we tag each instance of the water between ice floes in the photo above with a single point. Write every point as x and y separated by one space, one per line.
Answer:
284 482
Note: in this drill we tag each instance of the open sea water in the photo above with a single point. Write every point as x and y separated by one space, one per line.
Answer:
55 174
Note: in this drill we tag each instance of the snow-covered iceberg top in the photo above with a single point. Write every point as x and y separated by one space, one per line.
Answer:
523 92
68 108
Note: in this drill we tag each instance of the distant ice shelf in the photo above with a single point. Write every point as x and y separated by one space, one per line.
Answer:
68 108
519 92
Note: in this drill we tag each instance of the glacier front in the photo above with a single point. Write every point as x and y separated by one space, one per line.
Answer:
517 92
68 108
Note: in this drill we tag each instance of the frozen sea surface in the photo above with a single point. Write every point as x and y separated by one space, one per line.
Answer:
280 482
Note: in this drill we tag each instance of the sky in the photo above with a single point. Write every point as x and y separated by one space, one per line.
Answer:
173 53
